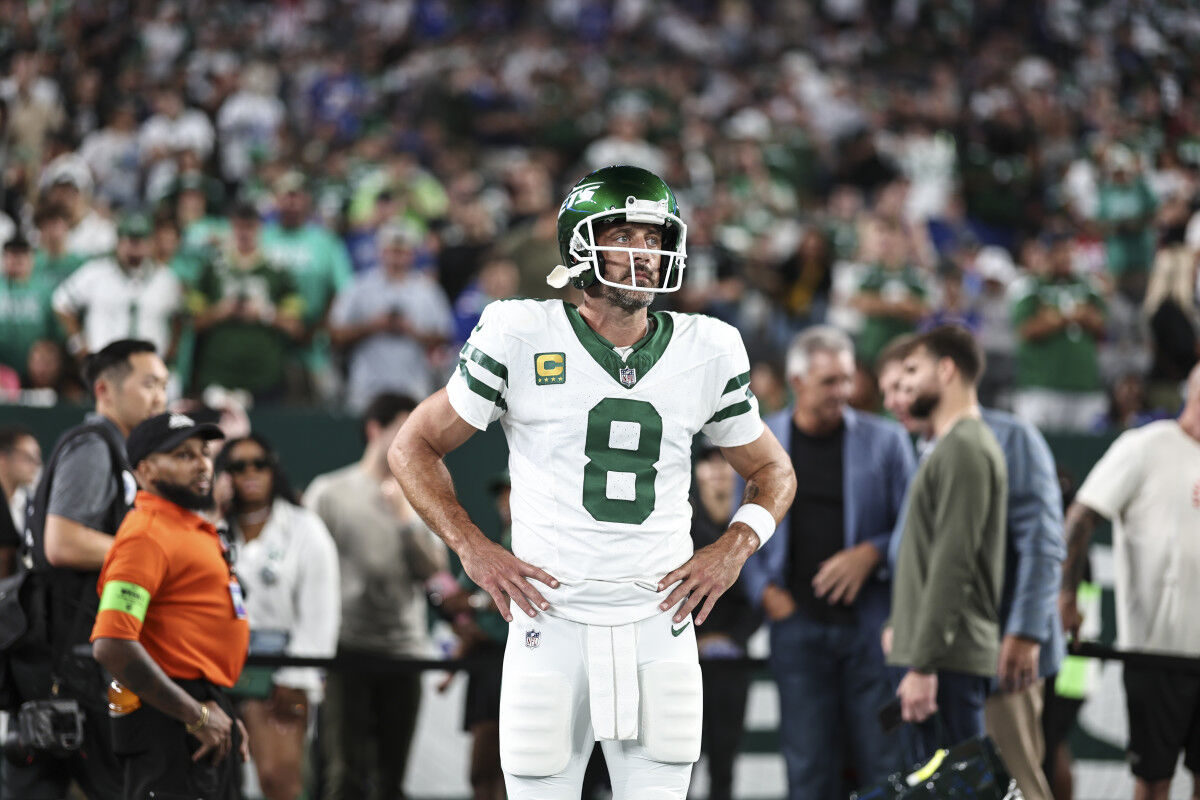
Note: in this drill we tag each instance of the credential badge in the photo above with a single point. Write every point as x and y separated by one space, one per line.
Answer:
627 375
532 638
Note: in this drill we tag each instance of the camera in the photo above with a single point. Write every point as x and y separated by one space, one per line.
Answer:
52 727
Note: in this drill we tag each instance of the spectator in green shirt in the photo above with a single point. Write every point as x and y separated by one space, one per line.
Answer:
247 315
193 203
1059 318
26 316
52 258
320 266
891 296
1125 213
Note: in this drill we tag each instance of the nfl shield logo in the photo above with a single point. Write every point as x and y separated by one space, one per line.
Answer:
628 376
533 638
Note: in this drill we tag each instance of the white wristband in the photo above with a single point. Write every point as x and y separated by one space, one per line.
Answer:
758 519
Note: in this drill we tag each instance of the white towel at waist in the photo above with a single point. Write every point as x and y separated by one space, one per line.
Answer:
613 681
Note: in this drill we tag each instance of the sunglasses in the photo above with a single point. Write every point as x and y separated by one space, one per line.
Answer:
240 466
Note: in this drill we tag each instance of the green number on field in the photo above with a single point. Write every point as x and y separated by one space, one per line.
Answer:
624 439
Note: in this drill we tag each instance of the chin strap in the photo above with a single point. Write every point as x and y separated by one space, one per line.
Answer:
560 276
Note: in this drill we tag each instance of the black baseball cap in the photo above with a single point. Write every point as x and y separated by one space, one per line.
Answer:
164 432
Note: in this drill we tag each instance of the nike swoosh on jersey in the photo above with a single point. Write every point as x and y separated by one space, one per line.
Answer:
682 628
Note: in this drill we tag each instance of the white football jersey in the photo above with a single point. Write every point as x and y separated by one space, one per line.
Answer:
600 446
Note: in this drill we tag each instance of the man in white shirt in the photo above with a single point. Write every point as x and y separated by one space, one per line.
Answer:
125 296
1148 484
112 155
173 128
249 122
67 180
390 321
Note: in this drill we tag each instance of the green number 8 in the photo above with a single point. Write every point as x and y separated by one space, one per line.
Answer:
642 440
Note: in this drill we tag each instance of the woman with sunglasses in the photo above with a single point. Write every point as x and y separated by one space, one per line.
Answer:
287 562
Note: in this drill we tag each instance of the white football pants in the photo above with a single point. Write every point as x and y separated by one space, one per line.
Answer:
640 685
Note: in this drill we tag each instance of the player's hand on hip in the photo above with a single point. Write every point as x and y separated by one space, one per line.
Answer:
705 577
501 574
1018 667
215 736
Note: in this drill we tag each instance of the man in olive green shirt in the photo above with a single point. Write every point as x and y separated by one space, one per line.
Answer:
945 624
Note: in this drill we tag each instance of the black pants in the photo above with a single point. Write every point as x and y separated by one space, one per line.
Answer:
726 687
156 753
368 721
93 766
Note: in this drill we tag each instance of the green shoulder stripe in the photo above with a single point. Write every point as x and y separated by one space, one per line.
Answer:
730 411
479 387
736 383
484 360
128 598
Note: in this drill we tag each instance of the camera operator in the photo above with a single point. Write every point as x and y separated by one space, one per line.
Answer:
82 498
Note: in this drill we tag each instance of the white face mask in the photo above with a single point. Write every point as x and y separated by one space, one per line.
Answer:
586 253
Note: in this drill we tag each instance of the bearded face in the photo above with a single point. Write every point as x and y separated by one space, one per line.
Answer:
920 383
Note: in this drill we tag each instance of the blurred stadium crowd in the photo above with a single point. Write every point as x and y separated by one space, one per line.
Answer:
305 220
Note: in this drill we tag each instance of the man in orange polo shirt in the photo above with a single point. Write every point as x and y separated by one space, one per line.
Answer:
172 626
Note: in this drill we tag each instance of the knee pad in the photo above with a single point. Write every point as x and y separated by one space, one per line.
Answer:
535 724
672 711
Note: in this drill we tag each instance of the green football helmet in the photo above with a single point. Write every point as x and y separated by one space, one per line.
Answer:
618 193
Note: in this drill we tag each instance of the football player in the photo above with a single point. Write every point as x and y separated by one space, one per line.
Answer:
599 404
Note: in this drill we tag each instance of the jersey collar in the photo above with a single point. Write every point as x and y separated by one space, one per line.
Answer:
646 351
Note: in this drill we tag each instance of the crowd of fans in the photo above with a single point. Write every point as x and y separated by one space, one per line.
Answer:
303 219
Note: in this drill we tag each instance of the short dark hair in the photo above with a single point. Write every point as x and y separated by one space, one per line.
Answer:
895 350
11 434
113 361
384 408
957 344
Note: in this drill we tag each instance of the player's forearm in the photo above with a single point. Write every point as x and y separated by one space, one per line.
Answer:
771 486
429 488
1079 526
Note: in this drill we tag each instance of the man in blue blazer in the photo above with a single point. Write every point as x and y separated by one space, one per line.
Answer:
1032 644
821 579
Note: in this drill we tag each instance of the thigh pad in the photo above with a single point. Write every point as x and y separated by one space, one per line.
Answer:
672 697
535 724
